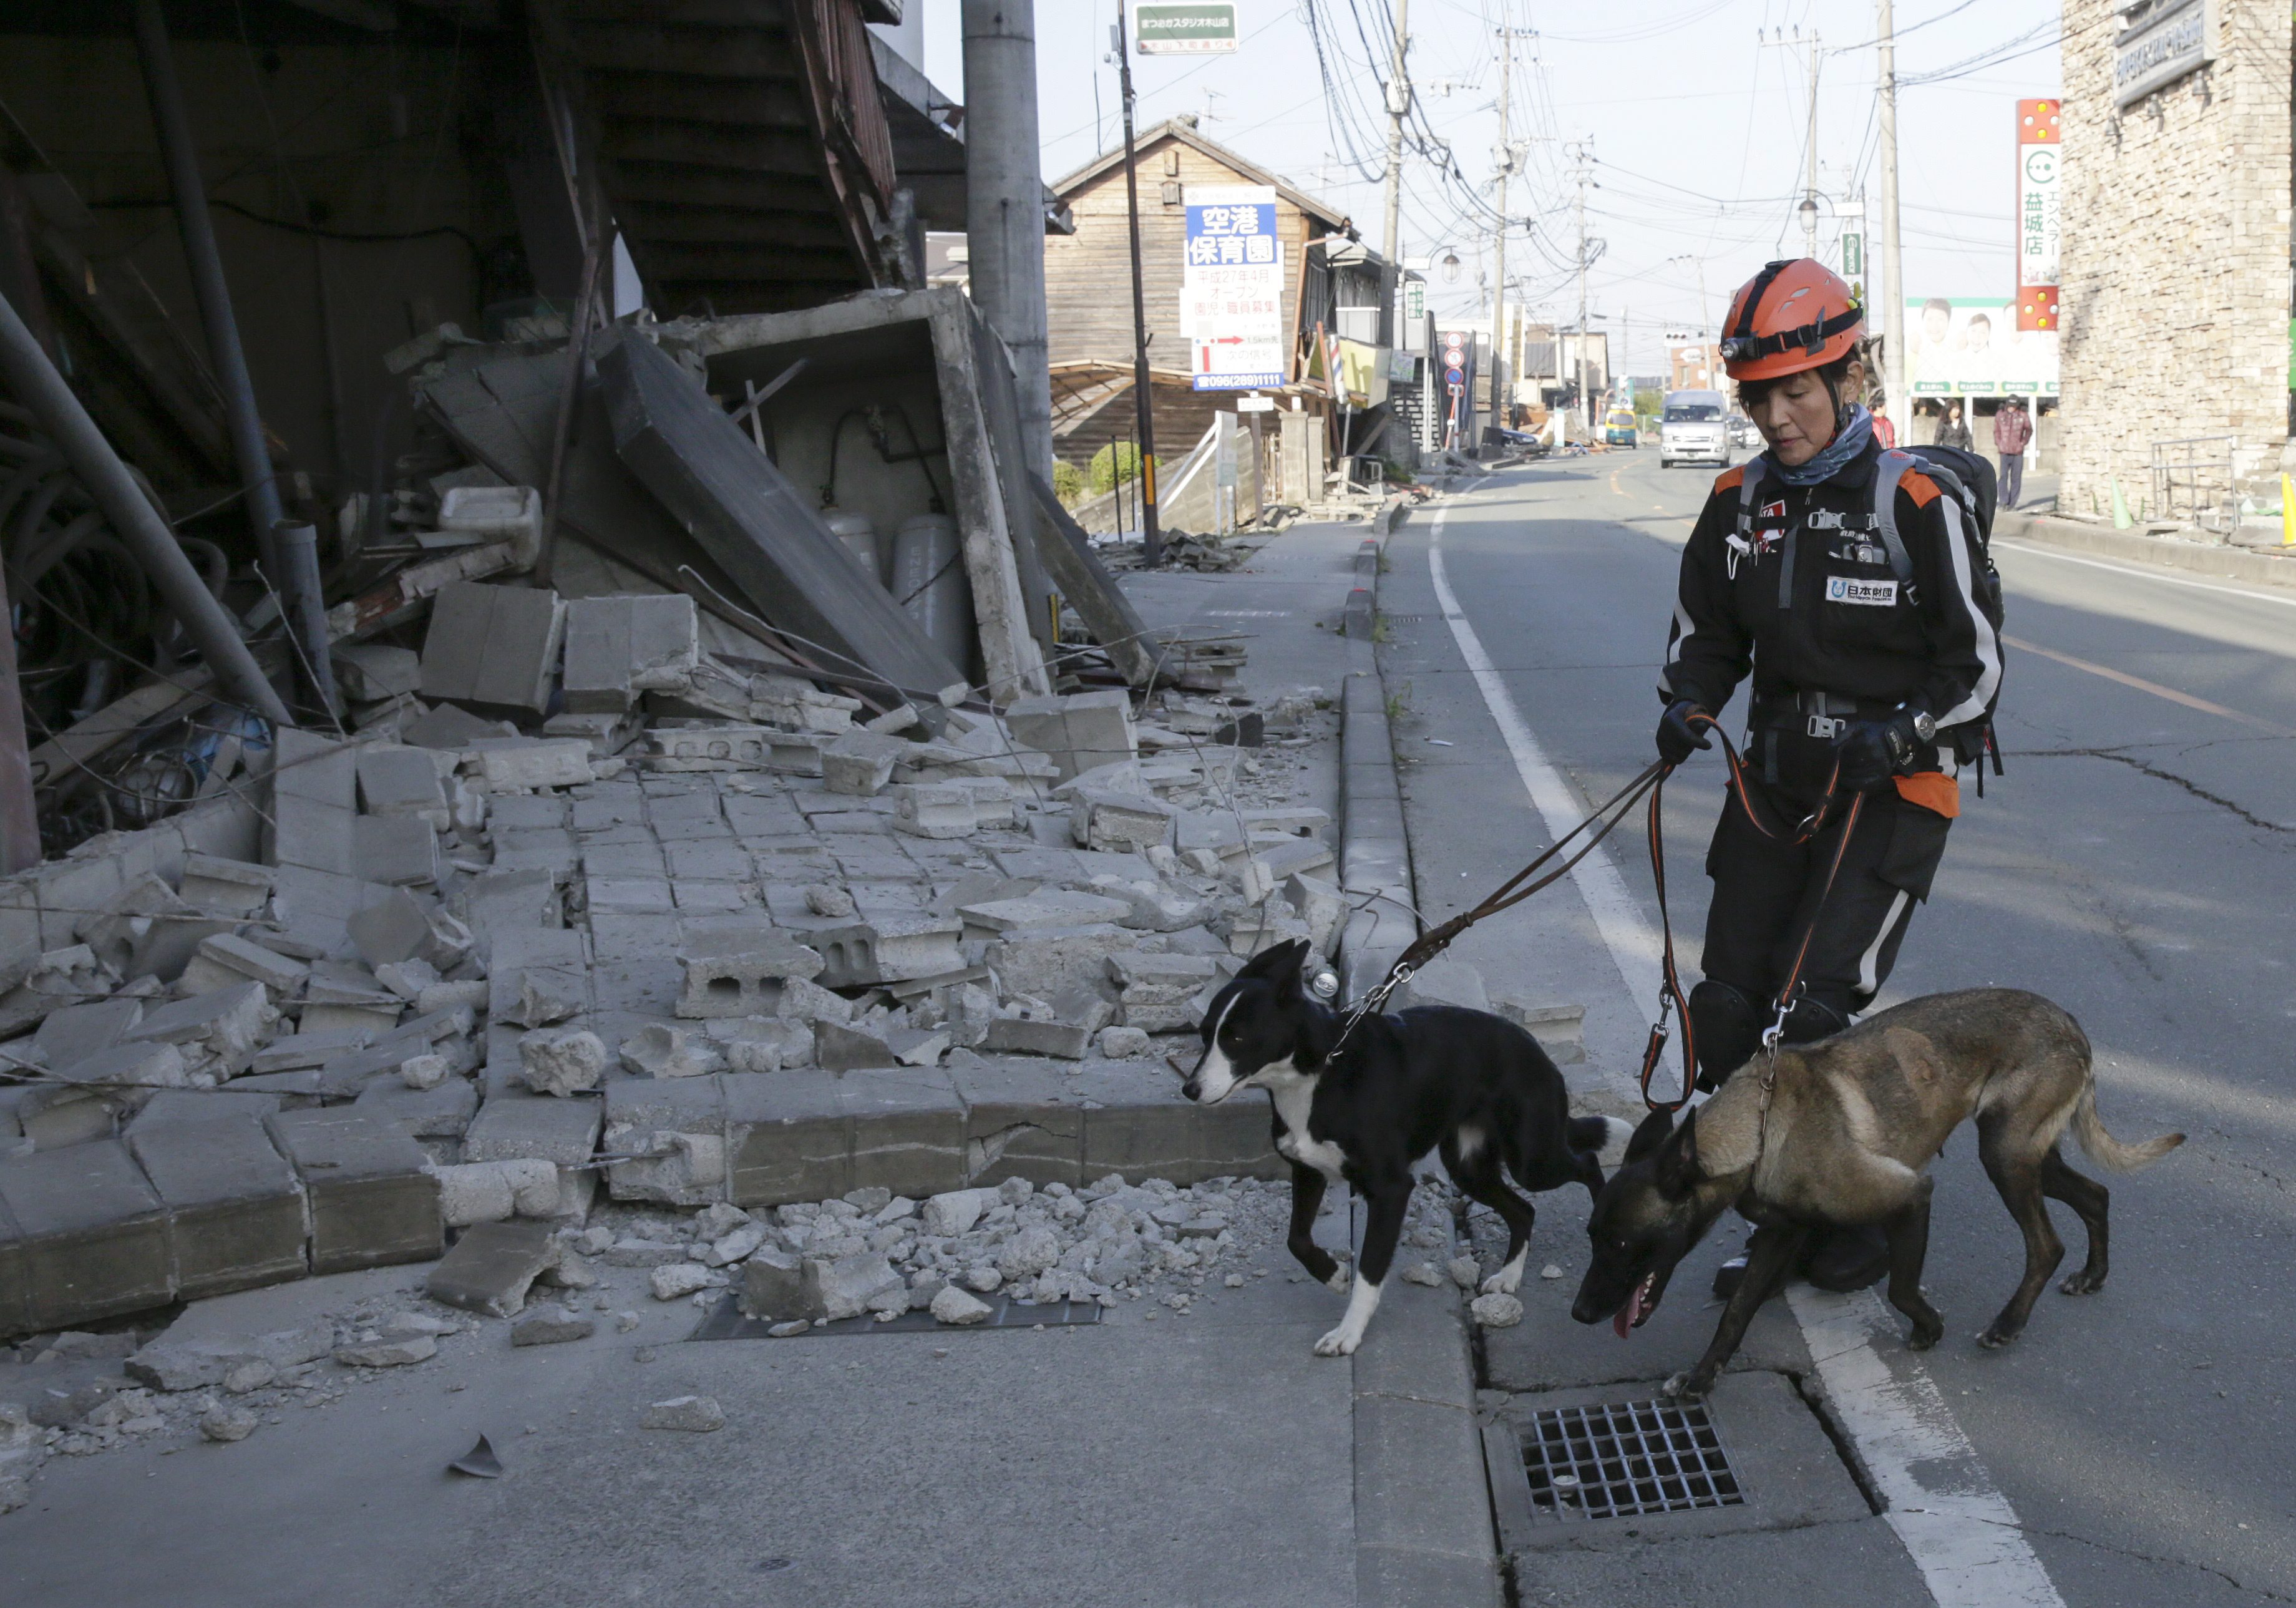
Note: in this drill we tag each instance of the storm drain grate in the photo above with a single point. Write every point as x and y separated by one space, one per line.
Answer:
1617 1459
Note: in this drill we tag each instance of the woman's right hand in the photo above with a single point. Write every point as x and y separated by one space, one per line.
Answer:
1677 737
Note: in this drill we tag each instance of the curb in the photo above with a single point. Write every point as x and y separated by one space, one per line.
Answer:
2230 563
1375 850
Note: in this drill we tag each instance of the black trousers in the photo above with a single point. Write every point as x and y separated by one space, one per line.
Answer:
2012 478
1766 894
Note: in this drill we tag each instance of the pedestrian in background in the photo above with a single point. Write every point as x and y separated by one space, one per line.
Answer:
2012 429
1955 430
1884 432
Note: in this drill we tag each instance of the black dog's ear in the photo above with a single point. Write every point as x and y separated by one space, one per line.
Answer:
1649 1136
1279 965
1677 1160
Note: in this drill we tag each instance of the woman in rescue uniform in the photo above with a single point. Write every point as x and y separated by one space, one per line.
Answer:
1874 686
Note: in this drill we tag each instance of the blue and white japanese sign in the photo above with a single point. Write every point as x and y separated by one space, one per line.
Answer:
1231 288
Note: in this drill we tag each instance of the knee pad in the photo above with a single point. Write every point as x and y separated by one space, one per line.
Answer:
1727 1029
1814 1019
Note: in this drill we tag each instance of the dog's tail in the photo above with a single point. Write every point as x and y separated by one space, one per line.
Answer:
1593 1135
2108 1151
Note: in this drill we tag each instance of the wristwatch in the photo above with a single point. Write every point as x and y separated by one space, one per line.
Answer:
1924 724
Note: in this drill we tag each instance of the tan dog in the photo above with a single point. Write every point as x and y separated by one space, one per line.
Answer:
1839 1132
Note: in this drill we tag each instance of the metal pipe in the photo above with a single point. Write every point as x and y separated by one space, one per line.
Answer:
33 380
174 126
303 604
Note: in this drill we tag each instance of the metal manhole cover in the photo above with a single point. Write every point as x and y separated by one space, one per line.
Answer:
1617 1459
725 1320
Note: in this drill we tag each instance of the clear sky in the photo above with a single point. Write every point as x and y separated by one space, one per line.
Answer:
1696 110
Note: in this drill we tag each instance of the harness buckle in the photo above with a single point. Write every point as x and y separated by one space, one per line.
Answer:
1825 727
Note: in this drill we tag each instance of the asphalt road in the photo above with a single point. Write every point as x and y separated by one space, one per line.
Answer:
2137 864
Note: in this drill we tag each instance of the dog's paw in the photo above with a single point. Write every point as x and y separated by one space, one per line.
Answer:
1995 1337
1340 1342
1924 1336
1342 1280
1682 1387
1505 1281
2082 1283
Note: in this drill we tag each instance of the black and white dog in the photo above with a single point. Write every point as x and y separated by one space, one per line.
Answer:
1470 1084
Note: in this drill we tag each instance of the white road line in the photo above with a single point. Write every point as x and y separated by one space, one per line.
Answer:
1954 1521
2153 575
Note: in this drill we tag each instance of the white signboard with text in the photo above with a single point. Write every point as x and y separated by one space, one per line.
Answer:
1231 288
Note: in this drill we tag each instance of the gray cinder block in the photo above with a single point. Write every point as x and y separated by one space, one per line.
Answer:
372 1200
237 1205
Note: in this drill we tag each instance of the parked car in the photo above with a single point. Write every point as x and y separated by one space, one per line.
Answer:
1694 428
1743 433
1618 428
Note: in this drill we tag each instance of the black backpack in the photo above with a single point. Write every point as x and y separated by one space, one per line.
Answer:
1969 480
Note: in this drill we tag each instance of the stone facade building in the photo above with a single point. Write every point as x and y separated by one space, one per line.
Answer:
2176 269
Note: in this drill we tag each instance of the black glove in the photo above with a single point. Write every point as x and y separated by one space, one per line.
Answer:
1678 738
1871 752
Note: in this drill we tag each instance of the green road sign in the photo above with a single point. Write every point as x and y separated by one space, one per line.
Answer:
1853 255
1202 28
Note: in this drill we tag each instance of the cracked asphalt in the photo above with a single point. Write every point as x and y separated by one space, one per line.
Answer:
2136 863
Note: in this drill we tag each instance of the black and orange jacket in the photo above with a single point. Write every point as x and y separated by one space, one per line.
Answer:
1807 601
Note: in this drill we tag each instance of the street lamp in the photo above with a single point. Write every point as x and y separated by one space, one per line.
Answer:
1808 210
1450 266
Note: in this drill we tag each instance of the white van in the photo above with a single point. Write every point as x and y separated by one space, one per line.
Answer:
1694 428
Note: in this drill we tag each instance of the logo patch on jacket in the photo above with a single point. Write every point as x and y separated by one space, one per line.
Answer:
1849 589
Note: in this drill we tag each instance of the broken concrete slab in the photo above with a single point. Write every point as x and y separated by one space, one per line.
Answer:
787 1137
1014 1034
368 672
493 645
448 727
92 1236
492 1266
890 949
400 781
511 765
1048 961
754 522
673 1130
396 851
514 1126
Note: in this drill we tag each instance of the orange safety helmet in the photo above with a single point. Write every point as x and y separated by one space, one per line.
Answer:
1791 316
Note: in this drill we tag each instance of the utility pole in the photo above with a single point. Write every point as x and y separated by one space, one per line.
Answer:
1004 208
1151 538
1893 310
1809 181
1399 105
1582 152
1502 371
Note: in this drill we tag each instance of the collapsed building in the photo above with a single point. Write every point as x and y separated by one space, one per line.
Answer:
636 722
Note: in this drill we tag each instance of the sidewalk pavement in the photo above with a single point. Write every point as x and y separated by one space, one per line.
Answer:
2267 567
1205 1457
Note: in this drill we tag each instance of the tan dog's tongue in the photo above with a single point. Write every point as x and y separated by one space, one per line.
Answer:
1623 1322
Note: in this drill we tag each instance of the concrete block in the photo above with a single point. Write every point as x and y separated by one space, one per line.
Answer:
618 647
715 748
938 810
73 1034
226 886
562 1061
496 514
92 1235
493 645
787 1137
1560 1030
908 1129
371 672
859 763
1443 981
1011 1035
439 1110
1080 732
400 781
676 1129
224 1024
372 1200
890 949
205 1361
1021 1122
1053 960
237 1205
524 764
1120 822
492 1267
1137 1123
839 1046
15 1278
227 960
518 1127
1051 908
449 727
740 968
494 1192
